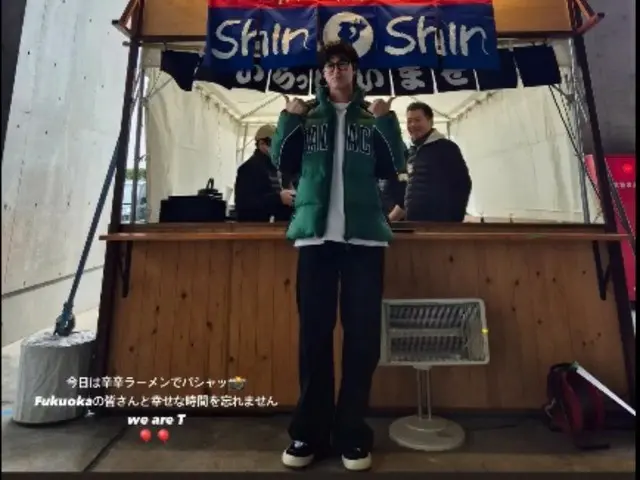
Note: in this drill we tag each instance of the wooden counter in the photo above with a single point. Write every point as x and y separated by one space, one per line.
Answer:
216 301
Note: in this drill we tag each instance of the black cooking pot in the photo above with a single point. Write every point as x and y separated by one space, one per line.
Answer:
210 191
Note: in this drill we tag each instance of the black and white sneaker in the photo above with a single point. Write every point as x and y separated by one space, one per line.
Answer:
298 455
356 460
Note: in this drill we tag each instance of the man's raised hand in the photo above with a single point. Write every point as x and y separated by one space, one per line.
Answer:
295 106
380 107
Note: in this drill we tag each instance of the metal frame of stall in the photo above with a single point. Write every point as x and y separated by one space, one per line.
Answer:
118 255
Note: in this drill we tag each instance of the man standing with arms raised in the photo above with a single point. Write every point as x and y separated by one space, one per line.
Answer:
340 147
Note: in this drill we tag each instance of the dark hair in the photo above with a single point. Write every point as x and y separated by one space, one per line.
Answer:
426 109
338 49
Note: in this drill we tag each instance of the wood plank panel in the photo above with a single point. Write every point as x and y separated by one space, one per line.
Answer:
285 326
504 228
185 303
166 305
495 288
244 316
523 314
147 338
594 329
198 349
125 335
213 310
433 283
396 386
464 267
189 17
265 319
554 339
217 320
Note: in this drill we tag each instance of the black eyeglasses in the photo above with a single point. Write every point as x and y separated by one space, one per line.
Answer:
340 65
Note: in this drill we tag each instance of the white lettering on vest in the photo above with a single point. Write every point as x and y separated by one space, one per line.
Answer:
315 138
358 139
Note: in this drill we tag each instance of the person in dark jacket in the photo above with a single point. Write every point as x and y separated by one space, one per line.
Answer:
439 184
290 181
392 192
258 193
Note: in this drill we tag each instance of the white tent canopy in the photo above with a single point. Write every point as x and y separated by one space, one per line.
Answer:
208 132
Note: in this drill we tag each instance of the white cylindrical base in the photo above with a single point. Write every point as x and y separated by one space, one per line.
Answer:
47 362
429 435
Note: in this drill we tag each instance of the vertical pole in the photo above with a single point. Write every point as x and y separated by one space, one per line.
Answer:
584 193
125 131
616 264
137 146
113 252
244 142
238 128
577 121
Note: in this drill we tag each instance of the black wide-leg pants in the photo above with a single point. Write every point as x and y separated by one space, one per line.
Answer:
352 274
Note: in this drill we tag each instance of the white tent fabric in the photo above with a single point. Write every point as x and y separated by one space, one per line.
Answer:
521 158
190 138
518 151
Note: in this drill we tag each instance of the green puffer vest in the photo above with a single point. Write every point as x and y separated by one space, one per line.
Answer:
373 149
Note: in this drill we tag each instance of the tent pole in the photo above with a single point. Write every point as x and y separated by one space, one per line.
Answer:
572 123
137 146
616 264
237 150
244 142
575 109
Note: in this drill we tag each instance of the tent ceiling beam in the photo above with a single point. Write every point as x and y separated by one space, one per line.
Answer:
222 99
155 91
472 103
266 103
436 111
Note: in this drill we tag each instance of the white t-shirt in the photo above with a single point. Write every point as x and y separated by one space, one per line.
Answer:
335 215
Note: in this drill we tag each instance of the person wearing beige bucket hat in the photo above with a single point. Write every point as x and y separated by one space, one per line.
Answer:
259 195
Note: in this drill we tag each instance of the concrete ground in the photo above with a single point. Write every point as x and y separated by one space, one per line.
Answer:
255 444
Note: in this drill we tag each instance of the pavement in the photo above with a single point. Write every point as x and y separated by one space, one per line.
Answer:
235 444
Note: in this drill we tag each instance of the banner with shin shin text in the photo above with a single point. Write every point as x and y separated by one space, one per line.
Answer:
441 34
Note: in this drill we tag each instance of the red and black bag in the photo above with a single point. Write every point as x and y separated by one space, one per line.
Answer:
575 407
